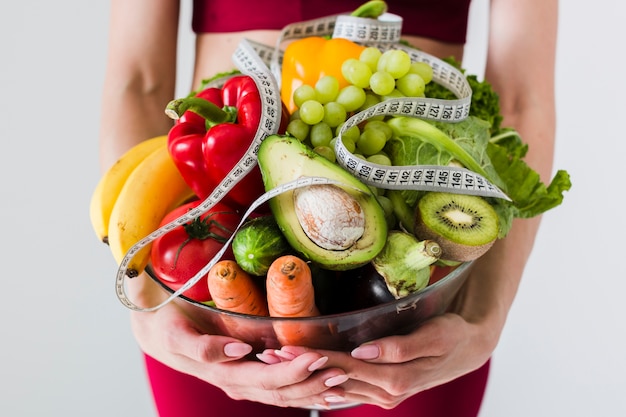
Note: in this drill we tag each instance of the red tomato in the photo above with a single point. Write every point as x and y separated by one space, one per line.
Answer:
179 254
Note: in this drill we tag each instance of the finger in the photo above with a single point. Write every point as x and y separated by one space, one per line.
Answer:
207 348
295 350
323 387
269 357
430 340
180 336
364 393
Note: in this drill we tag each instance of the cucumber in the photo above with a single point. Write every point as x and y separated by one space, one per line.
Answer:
258 243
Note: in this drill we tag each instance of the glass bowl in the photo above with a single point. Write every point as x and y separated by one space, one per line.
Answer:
339 332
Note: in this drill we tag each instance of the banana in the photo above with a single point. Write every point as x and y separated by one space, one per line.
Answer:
108 188
153 189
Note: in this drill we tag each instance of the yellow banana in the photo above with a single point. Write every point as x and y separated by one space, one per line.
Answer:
111 183
153 189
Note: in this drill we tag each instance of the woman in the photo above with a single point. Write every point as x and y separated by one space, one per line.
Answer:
439 369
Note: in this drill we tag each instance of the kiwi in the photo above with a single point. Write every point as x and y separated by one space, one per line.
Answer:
465 226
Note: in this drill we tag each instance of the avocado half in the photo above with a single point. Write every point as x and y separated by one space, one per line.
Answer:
283 159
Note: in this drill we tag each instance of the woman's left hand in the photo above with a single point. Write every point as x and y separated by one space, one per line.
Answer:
387 371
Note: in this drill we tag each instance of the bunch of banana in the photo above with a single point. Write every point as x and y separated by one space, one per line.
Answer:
133 196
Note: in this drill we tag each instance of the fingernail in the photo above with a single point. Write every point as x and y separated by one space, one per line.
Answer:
336 380
366 352
268 359
284 355
318 364
334 399
237 349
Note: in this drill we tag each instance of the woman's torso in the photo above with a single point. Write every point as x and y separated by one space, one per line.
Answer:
437 27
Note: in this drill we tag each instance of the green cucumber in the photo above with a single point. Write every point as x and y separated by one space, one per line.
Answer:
258 243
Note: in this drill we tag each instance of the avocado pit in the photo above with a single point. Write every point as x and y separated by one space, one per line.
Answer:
329 216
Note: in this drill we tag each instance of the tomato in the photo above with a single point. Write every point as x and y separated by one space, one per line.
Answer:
179 254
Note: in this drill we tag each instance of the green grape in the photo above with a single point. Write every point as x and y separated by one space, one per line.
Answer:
371 141
382 83
379 125
382 62
371 99
396 62
386 204
326 152
327 88
334 114
311 112
352 134
321 134
295 115
349 144
370 56
422 69
380 159
298 129
304 93
411 85
375 191
395 93
356 72
351 97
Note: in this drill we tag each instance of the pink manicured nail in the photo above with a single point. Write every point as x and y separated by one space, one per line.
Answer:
318 364
285 355
237 349
336 380
366 352
268 358
334 399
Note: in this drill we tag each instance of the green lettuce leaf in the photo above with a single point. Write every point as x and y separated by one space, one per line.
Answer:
500 159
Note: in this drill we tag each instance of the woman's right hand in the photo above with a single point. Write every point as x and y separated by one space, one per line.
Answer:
170 336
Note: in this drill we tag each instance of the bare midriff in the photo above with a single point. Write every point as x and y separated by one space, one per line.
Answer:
214 50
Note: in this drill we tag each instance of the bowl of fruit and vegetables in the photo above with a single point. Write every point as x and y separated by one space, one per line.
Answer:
332 262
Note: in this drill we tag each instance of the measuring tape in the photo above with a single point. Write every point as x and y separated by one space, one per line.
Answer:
418 177
249 63
262 63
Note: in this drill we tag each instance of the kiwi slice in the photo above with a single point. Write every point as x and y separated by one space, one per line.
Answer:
465 226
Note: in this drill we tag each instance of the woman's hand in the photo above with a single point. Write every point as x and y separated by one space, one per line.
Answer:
387 371
170 336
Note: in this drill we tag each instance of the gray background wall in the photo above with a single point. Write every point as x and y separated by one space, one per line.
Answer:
66 344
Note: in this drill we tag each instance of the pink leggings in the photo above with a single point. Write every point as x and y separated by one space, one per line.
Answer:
177 395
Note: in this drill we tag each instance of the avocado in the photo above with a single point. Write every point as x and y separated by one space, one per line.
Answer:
283 159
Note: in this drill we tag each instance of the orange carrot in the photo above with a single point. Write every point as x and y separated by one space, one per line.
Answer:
233 289
290 288
290 294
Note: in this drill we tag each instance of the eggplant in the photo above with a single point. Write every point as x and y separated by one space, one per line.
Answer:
346 291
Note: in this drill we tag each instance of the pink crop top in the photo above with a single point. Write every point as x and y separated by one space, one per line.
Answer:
444 20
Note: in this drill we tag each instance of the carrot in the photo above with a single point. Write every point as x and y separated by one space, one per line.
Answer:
234 290
290 293
290 288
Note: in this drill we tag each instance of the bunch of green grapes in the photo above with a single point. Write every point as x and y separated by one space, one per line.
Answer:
323 108
373 77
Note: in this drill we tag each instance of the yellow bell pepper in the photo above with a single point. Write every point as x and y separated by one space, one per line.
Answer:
307 60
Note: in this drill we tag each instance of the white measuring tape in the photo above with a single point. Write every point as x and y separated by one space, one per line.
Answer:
255 59
418 177
249 63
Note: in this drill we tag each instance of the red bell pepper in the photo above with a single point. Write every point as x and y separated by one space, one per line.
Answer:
213 131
